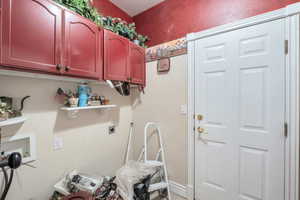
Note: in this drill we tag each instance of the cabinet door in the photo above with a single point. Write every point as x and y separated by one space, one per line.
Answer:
1 28
116 51
31 34
82 47
137 64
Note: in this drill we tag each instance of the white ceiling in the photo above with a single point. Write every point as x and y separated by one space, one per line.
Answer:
134 7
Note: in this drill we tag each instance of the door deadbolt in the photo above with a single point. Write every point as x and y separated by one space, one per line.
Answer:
200 117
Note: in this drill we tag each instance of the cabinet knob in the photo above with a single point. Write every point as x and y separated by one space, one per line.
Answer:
58 67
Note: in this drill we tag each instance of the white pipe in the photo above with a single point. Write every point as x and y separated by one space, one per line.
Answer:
129 143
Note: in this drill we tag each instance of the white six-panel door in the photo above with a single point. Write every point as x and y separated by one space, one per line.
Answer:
239 91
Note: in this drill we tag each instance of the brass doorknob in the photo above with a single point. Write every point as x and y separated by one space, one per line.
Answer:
200 130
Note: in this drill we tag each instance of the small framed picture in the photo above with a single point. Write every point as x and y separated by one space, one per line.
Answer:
163 65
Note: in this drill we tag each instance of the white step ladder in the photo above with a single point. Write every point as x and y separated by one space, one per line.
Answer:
158 162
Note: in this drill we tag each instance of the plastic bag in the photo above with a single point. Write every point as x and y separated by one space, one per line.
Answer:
130 174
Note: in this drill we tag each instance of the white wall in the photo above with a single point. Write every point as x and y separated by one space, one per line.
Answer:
87 145
164 95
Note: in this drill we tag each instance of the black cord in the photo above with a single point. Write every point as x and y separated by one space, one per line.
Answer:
8 185
0 138
22 103
5 176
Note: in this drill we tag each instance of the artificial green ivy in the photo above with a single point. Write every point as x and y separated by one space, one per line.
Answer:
121 27
116 25
83 8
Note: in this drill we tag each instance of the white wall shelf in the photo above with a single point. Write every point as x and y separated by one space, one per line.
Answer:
88 107
73 111
12 121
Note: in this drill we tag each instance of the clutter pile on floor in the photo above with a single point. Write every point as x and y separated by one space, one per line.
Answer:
132 181
136 180
84 187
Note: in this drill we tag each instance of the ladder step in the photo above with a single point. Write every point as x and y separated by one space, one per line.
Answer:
154 163
157 186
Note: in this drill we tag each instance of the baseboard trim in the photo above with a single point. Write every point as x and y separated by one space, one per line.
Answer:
178 189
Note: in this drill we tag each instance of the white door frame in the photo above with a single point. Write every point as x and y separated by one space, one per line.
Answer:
291 14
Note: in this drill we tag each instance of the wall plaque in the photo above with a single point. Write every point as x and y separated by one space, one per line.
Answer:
163 65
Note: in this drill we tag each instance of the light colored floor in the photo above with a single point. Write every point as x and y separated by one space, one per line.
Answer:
173 197
176 197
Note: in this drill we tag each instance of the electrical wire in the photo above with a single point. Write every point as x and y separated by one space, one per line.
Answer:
0 138
13 162
7 181
8 185
5 176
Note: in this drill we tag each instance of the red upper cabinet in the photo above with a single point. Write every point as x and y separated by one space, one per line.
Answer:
123 60
116 53
31 34
83 53
43 36
1 28
137 64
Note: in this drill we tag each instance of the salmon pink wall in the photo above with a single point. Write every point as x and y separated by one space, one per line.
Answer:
173 19
109 9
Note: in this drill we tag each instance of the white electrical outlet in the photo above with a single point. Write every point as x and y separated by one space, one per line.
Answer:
183 109
58 143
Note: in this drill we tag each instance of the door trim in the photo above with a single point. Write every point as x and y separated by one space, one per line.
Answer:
292 108
291 14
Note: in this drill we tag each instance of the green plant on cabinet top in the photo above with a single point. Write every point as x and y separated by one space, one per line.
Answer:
83 8
124 29
116 25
